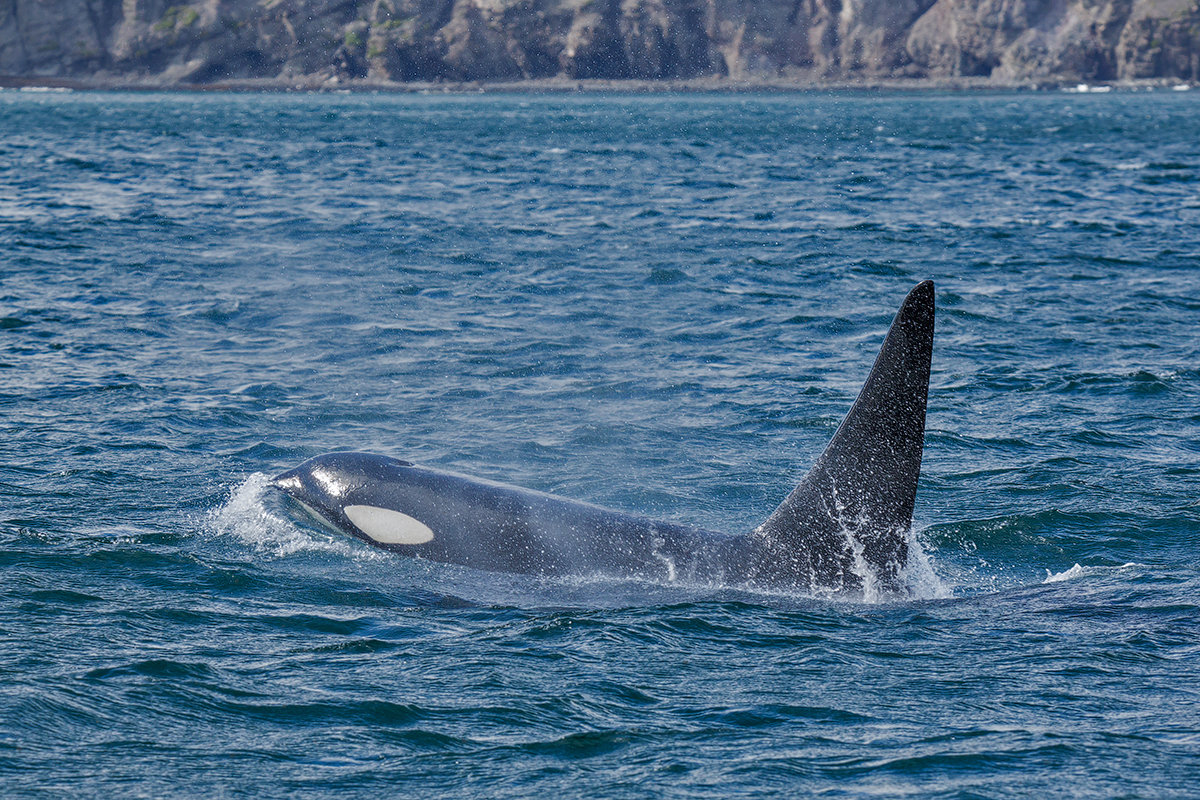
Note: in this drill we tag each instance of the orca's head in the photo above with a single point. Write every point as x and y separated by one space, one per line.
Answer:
341 490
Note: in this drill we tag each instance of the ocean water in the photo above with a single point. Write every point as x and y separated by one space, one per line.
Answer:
658 303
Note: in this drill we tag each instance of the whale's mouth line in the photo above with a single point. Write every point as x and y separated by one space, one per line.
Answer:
293 502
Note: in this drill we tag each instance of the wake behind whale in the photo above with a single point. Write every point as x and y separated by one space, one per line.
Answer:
843 529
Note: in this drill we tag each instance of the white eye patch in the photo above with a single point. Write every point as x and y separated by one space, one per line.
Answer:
387 526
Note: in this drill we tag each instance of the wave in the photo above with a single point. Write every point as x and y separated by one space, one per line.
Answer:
1078 571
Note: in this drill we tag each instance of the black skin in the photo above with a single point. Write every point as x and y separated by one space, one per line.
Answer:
853 508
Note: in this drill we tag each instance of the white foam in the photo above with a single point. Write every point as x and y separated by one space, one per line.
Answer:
1079 572
1066 575
247 518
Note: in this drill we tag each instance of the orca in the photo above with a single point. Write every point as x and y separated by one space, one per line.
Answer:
843 529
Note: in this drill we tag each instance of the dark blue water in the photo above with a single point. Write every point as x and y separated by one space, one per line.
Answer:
662 304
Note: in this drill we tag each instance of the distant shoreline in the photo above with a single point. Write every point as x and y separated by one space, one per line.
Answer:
315 84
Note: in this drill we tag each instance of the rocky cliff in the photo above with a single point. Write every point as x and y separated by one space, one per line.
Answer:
324 42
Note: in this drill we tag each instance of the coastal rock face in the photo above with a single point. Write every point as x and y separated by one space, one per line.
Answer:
330 42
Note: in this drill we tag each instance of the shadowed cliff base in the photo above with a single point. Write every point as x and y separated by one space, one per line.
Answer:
313 44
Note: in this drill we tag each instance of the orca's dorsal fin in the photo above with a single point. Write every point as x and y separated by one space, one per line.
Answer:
855 506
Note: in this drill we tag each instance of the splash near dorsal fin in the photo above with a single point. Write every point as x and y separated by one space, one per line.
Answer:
854 507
